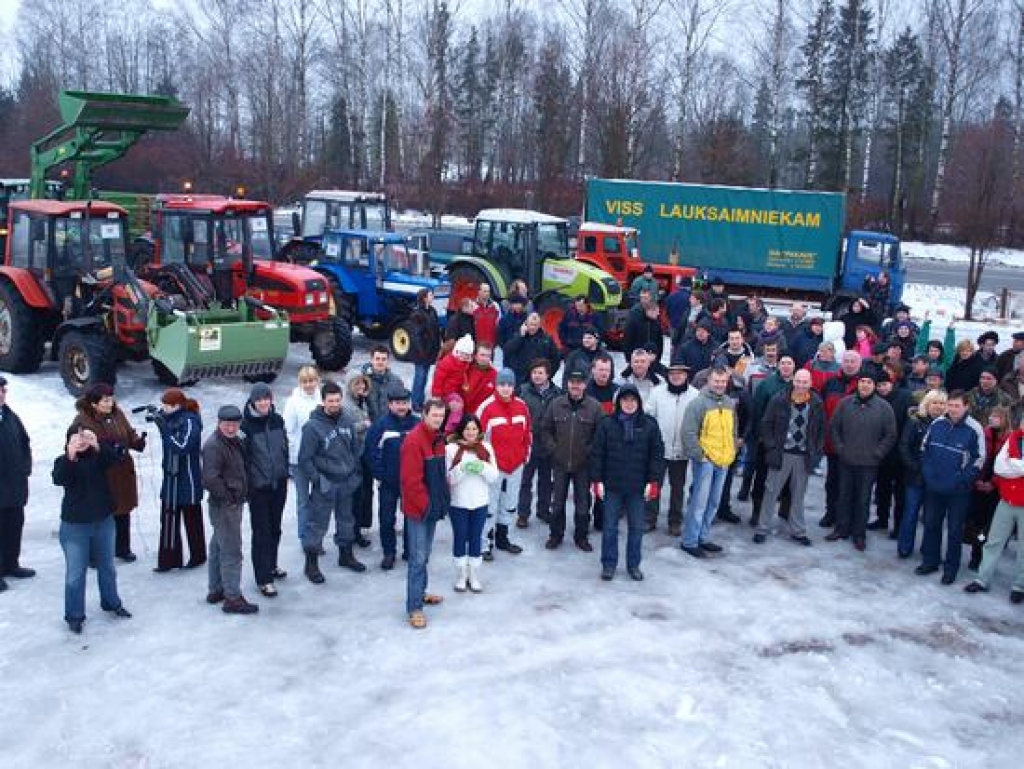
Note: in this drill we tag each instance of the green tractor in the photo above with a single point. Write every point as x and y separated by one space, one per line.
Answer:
512 244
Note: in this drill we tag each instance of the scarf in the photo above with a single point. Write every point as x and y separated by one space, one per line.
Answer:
678 389
628 422
477 449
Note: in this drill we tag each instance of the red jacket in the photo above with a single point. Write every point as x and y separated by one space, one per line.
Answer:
420 444
485 323
507 427
1011 490
449 377
479 386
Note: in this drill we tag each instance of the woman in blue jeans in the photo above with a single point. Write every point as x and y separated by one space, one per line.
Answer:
471 473
87 523
933 406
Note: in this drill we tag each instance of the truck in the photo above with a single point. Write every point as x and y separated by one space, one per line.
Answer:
782 245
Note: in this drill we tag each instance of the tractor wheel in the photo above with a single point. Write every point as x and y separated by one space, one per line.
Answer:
466 282
87 358
401 341
167 378
21 342
551 308
331 346
344 306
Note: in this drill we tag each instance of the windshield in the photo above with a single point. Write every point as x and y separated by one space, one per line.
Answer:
260 236
553 238
878 253
320 215
88 244
233 232
397 257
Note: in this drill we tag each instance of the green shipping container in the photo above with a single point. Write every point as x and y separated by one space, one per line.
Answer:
727 228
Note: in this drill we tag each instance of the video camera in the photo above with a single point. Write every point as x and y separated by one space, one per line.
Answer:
152 412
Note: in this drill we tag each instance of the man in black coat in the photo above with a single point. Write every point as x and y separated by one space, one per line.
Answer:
643 330
626 463
15 468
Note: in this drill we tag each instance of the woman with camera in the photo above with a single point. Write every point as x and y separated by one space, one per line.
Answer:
99 413
87 522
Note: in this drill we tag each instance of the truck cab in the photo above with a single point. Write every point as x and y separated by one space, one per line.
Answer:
324 210
866 254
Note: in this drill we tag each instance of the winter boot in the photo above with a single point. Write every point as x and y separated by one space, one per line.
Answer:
474 575
348 561
239 606
461 573
501 540
489 551
312 569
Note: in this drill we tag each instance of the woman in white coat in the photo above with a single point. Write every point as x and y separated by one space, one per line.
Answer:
471 473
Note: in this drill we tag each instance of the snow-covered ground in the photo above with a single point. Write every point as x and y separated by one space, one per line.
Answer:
776 656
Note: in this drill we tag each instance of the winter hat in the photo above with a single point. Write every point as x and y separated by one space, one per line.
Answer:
649 268
174 397
506 377
1018 336
576 374
465 345
98 392
716 281
260 391
707 325
591 331
987 336
397 392
935 371
229 413
869 372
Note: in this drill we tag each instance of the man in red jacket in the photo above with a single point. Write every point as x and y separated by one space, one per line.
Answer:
422 451
505 419
486 316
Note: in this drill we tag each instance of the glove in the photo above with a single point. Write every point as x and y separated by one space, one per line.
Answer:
597 489
652 491
474 466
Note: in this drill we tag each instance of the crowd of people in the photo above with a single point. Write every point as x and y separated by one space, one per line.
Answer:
892 419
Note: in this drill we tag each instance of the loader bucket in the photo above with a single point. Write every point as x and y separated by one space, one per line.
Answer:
121 112
223 342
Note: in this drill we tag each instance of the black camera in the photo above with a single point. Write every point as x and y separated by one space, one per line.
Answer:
152 412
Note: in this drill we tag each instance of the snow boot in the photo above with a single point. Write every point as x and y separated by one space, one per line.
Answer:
489 550
312 569
474 575
502 542
461 573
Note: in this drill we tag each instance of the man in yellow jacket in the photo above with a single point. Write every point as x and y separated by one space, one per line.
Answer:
710 442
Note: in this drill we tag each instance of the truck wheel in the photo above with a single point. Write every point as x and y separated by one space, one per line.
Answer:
401 341
166 377
21 341
87 358
551 308
331 346
466 282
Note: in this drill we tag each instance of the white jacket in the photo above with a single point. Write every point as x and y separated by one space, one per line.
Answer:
470 490
297 409
668 409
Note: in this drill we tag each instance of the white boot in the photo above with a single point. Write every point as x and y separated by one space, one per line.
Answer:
474 575
461 573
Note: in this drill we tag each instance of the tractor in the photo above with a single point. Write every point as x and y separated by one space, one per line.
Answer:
65 281
512 244
324 210
231 242
374 278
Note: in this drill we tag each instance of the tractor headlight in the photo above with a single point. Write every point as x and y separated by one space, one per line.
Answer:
310 300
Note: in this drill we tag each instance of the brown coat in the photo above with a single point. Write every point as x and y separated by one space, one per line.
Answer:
115 429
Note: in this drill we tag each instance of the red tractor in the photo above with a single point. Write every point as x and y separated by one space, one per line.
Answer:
231 243
614 249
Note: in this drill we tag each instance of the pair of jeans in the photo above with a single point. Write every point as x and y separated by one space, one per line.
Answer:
616 506
1005 518
302 484
419 385
912 500
949 508
580 481
266 507
420 539
541 469
12 522
224 570
84 543
705 492
388 513
467 528
854 503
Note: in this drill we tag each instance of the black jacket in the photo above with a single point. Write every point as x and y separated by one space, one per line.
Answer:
426 335
87 495
696 355
538 404
266 448
775 427
642 331
910 447
522 350
567 431
224 475
622 464
15 460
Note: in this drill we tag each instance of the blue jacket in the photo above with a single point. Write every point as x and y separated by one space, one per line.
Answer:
950 456
181 434
382 451
677 305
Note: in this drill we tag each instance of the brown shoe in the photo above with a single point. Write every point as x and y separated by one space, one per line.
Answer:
215 596
675 530
239 606
584 544
522 522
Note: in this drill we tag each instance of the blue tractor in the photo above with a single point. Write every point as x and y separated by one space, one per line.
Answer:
374 279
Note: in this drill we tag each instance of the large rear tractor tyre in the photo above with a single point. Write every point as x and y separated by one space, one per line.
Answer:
401 341
21 341
466 282
551 308
331 346
344 306
167 378
87 358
